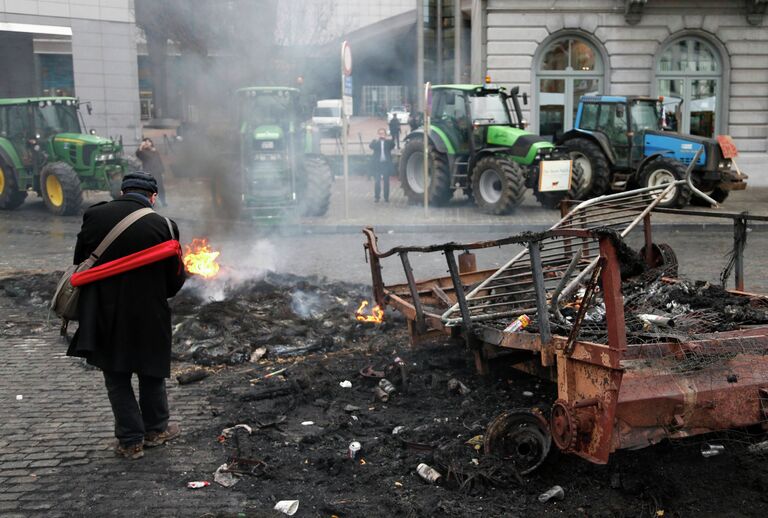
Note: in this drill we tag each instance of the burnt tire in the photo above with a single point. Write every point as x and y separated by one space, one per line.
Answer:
60 188
498 185
596 172
411 173
317 196
661 171
551 200
10 195
662 256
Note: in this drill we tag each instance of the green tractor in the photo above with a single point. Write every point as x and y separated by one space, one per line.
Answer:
478 143
43 148
274 166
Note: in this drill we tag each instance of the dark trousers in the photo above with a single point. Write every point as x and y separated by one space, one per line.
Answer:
133 420
381 172
396 138
160 188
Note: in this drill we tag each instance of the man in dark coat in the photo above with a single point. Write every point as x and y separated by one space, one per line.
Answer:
394 129
153 164
125 320
381 163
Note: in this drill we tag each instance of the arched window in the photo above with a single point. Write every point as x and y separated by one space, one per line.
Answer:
567 68
689 76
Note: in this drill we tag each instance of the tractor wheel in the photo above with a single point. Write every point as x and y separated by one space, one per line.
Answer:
10 196
61 189
317 196
498 185
710 189
661 171
596 173
551 200
411 172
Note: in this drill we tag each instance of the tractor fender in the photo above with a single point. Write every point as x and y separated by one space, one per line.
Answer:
647 159
9 155
595 136
434 138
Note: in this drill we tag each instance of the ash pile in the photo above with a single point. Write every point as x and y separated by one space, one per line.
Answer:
274 316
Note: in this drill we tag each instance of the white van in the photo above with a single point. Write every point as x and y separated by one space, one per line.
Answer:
327 117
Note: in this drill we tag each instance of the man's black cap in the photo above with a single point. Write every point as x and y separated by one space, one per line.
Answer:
139 180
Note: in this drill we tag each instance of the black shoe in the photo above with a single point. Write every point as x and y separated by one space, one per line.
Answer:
376 200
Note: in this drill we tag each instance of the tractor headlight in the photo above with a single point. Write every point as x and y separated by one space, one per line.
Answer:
101 158
724 164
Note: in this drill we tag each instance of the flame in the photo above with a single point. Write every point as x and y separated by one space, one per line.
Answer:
200 259
376 316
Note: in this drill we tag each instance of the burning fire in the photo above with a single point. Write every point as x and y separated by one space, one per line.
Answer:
376 316
200 259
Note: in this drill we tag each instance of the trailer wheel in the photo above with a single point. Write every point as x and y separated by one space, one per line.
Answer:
498 185
10 195
411 172
61 189
521 436
317 196
662 256
596 173
661 171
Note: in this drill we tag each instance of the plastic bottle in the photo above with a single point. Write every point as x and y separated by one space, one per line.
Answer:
518 324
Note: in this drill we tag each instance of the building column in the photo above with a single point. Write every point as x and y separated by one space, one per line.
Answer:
478 39
420 54
458 26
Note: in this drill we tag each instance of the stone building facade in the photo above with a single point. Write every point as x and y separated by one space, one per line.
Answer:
96 41
708 58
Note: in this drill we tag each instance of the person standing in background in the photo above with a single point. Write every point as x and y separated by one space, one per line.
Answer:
381 163
152 164
394 130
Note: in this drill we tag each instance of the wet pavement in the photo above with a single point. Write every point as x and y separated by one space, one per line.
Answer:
55 440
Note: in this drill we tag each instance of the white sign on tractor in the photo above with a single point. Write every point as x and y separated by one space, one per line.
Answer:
555 175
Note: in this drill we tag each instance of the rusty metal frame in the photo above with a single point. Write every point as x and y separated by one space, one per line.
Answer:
615 395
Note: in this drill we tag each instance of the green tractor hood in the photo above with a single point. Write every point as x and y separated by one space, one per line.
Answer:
82 138
268 133
524 146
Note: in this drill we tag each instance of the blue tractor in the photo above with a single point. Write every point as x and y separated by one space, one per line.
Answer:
624 143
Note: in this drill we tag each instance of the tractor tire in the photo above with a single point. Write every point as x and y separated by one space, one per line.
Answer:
551 200
596 172
411 172
317 195
60 188
661 171
10 195
498 185
716 193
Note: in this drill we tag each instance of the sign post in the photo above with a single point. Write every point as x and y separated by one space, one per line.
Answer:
427 116
346 111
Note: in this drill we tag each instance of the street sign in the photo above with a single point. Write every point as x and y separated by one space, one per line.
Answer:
346 59
347 85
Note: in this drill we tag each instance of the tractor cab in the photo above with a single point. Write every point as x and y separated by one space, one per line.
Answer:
44 148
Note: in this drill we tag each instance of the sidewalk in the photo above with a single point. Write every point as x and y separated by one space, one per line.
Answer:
56 457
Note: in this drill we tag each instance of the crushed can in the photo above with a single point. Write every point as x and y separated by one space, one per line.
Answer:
554 493
428 473
387 386
197 484
353 450
518 324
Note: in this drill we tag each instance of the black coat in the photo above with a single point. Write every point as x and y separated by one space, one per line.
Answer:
375 146
125 320
151 161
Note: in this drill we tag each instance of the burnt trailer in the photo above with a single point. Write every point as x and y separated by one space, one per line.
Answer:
636 355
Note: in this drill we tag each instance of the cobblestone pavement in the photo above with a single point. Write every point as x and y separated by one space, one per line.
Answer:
56 440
